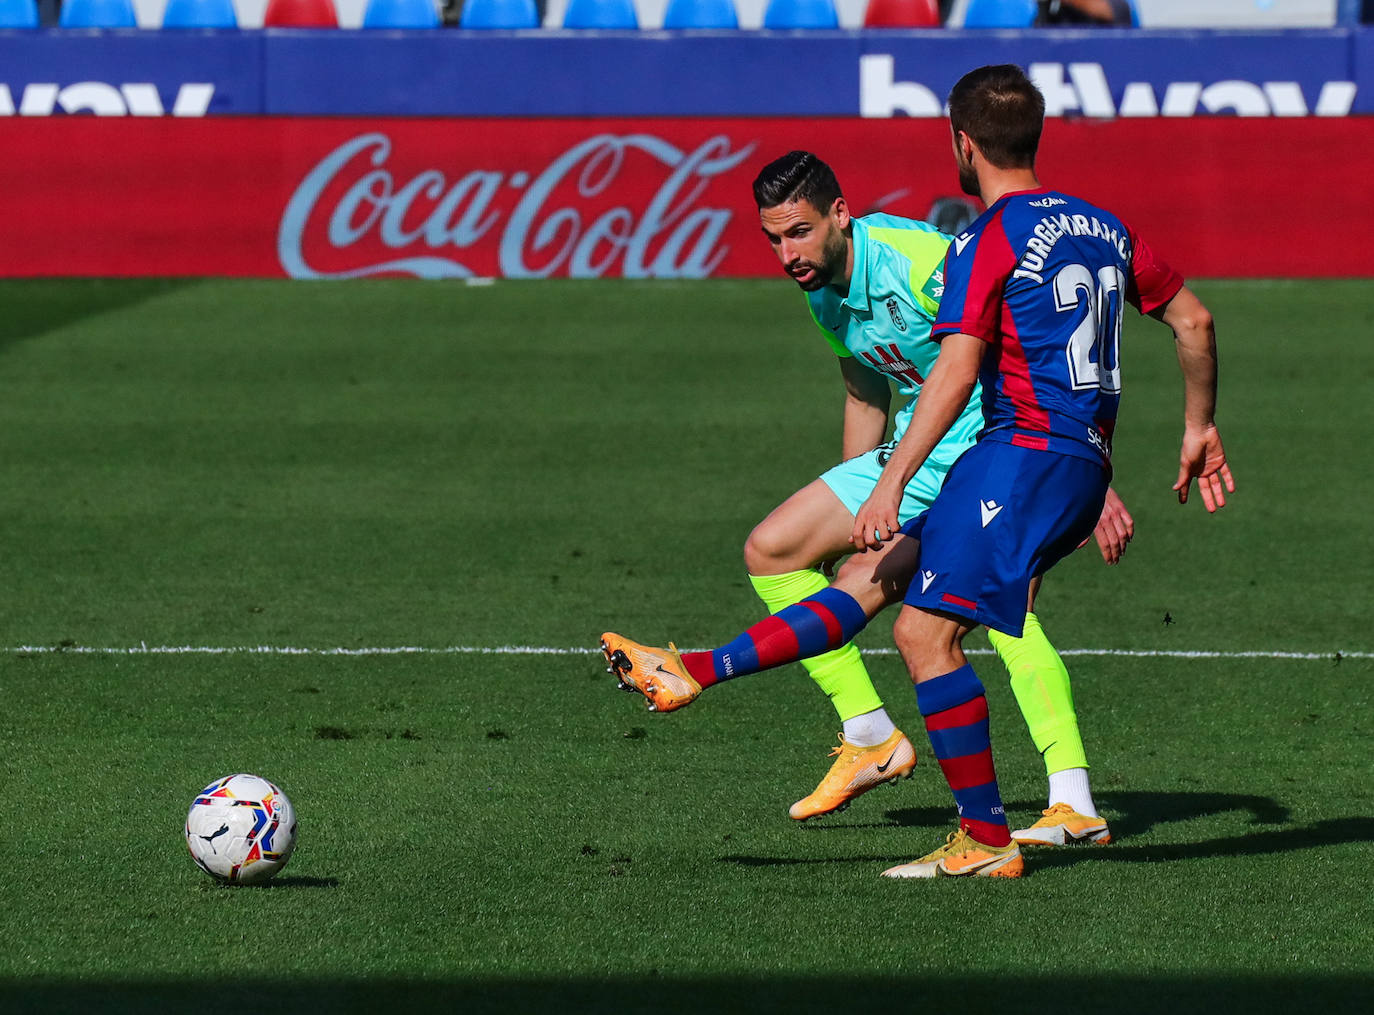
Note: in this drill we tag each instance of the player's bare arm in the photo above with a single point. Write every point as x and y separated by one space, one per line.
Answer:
868 398
944 395
1201 455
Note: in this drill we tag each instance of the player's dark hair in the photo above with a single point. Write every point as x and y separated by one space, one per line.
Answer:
797 176
1002 111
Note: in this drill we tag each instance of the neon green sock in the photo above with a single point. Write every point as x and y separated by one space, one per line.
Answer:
1041 685
840 673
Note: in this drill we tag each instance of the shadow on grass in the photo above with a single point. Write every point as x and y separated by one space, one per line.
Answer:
1134 813
284 883
1331 832
1131 815
903 817
657 994
34 307
297 883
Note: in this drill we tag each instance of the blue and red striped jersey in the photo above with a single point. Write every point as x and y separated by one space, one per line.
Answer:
1042 277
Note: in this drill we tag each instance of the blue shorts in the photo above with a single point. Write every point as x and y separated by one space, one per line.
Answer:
853 480
1006 514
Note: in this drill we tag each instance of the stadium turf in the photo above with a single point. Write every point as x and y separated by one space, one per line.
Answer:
228 468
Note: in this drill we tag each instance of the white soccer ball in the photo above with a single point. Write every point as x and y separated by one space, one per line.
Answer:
241 829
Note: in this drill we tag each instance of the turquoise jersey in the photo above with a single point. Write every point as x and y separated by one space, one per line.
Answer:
885 320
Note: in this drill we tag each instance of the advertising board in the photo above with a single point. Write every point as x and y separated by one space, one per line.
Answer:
519 198
1094 73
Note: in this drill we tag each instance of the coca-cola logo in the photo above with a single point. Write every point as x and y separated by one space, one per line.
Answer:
628 204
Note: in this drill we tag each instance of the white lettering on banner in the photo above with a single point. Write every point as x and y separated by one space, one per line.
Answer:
880 96
138 98
92 97
537 240
1086 92
1082 89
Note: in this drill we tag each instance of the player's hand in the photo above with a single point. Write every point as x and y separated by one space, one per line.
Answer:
877 520
1115 528
1202 457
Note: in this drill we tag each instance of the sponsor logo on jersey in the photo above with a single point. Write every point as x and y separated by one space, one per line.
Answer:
1048 202
889 360
960 242
895 312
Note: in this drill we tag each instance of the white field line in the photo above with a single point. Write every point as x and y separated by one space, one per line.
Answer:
143 649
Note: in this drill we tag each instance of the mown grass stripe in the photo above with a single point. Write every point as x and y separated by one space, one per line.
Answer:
550 650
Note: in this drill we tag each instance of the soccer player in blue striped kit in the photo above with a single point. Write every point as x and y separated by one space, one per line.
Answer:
872 285
1034 293
1032 308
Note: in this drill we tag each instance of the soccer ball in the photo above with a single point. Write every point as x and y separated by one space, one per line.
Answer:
241 829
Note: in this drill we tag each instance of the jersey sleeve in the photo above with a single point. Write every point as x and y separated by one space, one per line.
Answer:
830 336
1153 283
976 270
924 248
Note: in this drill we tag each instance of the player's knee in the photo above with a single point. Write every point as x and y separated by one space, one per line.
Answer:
881 581
929 643
907 636
1198 319
907 632
854 571
768 547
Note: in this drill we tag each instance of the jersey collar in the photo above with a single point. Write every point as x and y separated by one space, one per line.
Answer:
857 300
1042 189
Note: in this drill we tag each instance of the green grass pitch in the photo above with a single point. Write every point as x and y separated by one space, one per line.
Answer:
229 465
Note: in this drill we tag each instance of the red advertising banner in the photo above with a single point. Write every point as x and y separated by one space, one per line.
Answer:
436 198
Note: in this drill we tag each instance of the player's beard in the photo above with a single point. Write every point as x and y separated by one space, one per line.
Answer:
968 179
833 257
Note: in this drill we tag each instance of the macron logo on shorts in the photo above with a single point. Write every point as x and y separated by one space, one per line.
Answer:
926 578
991 509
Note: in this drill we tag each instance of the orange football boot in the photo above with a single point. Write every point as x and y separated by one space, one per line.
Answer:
964 856
1062 824
856 771
656 673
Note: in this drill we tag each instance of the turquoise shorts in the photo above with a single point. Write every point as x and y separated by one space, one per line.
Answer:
853 481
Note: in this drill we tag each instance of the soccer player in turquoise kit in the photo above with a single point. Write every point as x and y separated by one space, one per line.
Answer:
873 286
1035 290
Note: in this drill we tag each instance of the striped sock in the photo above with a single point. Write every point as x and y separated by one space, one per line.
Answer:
841 674
956 715
817 624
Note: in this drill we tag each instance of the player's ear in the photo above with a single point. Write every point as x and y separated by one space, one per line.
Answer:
839 211
963 146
